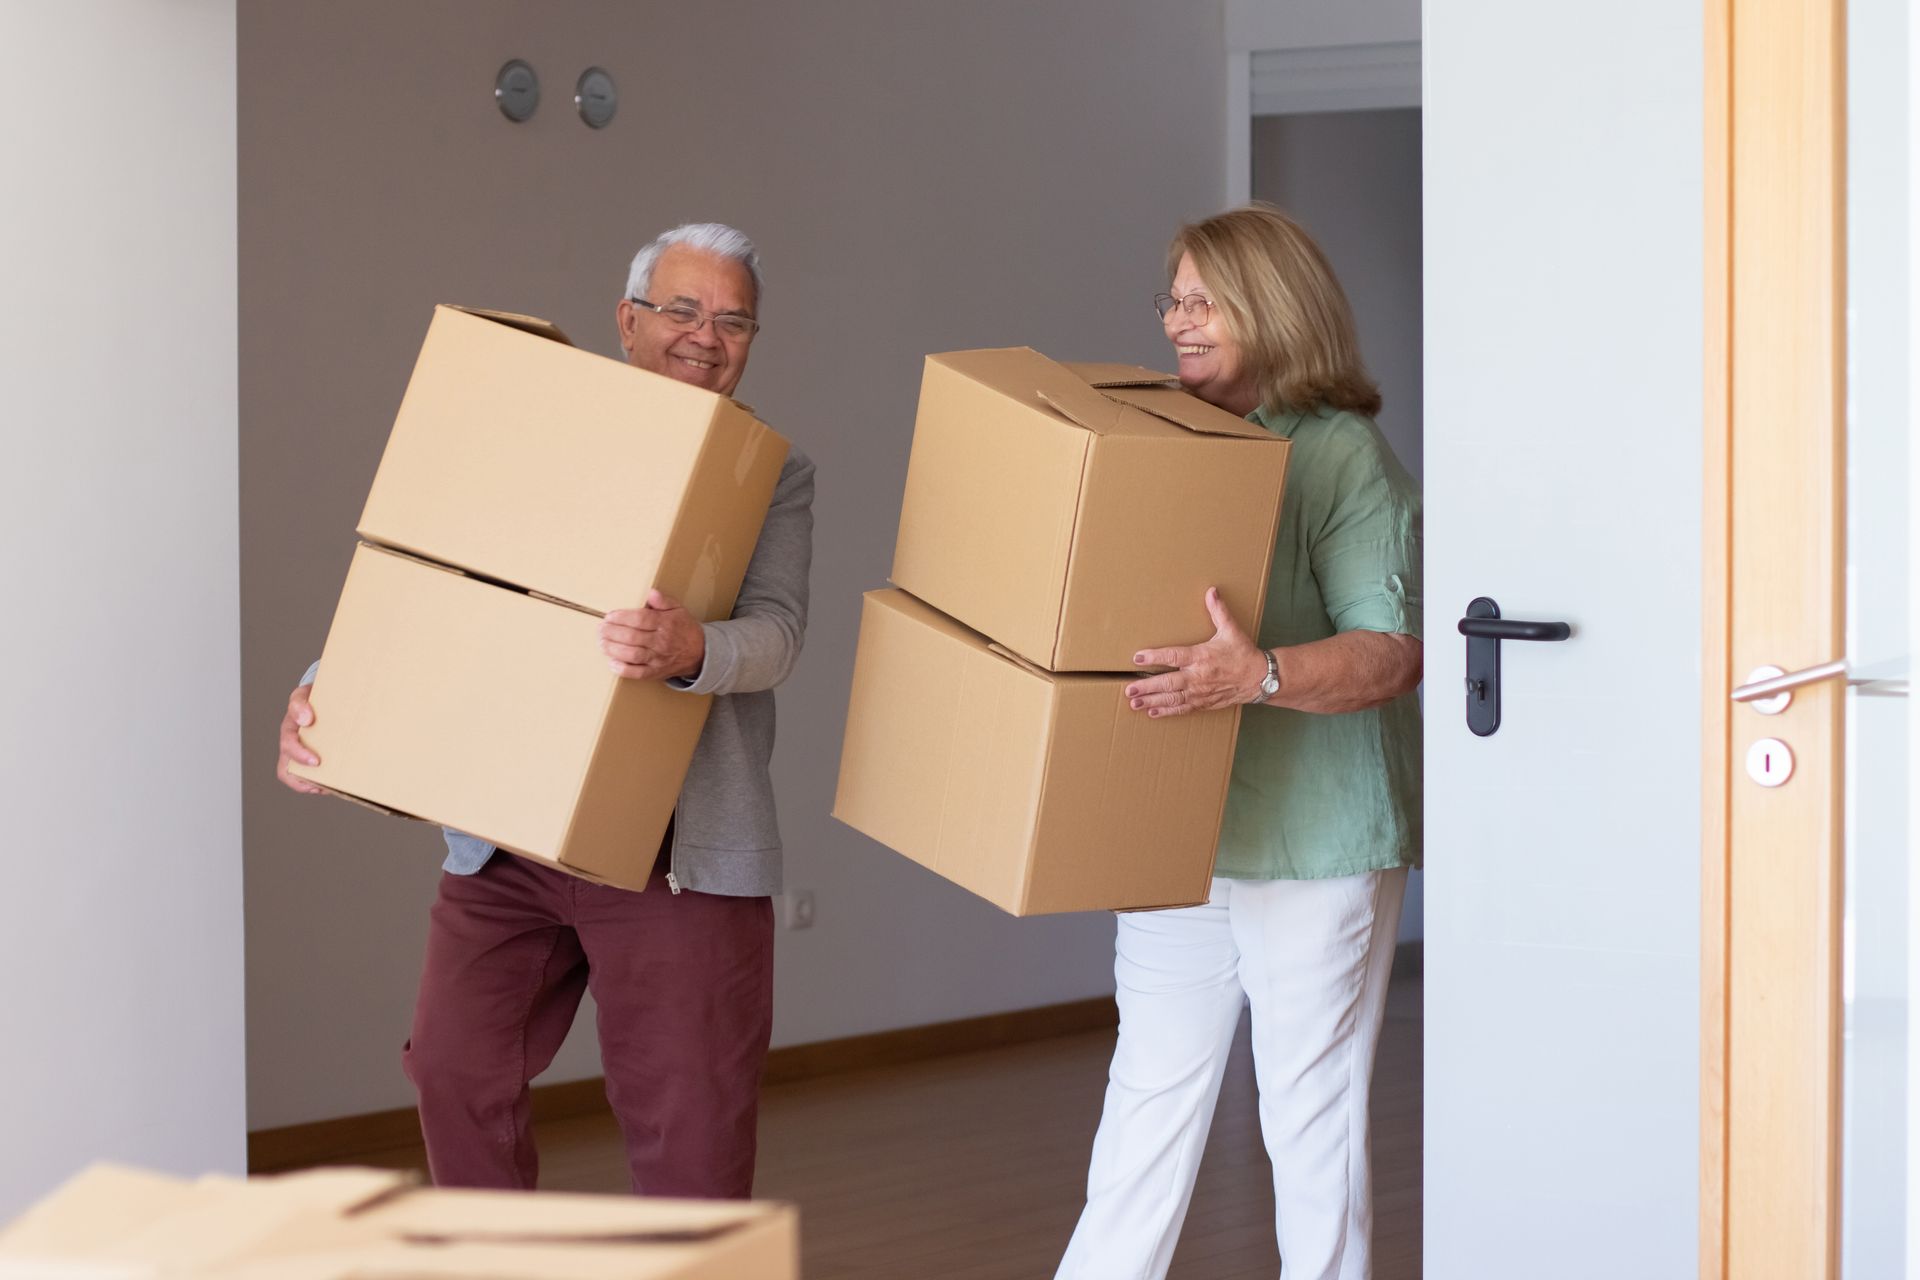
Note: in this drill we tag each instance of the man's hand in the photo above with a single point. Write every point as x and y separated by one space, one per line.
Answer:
1226 671
655 642
292 749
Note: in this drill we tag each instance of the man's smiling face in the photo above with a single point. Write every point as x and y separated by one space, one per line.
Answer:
711 285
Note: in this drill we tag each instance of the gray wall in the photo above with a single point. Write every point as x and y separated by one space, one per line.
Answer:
921 176
1352 178
120 932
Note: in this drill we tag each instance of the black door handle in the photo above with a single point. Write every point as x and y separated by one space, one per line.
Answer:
1484 629
1498 628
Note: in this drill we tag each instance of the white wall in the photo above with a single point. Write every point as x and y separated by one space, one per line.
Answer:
1563 478
120 929
921 175
1352 178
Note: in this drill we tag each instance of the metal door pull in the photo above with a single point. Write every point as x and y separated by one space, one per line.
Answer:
1772 689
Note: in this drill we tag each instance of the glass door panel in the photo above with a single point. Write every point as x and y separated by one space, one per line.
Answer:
1879 1112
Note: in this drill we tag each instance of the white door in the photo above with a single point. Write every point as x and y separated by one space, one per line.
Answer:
1563 305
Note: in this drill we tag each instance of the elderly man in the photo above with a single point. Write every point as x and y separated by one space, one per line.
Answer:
683 973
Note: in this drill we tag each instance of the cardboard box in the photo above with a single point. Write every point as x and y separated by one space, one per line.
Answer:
1077 513
1040 792
493 711
368 1224
562 485
520 458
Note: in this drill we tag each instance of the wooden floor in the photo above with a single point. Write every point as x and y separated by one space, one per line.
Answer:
972 1167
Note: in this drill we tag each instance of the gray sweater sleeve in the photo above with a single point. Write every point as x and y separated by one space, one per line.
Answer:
757 647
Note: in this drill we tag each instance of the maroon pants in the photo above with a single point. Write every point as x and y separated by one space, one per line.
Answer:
684 987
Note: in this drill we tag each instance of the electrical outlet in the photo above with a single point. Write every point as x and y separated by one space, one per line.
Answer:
799 908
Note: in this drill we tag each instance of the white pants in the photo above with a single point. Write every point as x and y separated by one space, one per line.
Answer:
1311 957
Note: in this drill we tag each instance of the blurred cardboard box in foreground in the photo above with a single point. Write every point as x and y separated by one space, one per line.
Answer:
113 1223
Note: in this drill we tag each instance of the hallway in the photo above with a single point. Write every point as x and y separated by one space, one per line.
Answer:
971 1167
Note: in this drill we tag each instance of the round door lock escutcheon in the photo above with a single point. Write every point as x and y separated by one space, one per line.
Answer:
517 89
1769 762
596 97
1771 706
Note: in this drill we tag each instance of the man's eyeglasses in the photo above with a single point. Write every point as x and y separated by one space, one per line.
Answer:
728 324
1196 307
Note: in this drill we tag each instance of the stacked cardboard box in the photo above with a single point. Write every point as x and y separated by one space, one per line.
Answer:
528 488
1057 519
366 1224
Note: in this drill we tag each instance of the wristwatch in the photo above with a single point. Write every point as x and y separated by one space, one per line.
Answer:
1270 685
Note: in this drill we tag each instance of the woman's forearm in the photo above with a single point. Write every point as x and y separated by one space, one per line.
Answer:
1347 672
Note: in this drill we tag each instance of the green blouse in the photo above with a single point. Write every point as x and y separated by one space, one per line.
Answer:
1314 796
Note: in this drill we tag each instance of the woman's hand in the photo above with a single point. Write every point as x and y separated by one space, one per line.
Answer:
1226 671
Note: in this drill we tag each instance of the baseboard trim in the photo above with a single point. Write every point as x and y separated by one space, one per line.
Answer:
298 1146
938 1040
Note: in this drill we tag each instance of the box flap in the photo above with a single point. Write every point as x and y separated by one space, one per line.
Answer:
1161 395
224 1219
511 1234
1031 379
343 1191
1173 405
1098 374
100 1204
1033 668
528 324
445 1215
1081 405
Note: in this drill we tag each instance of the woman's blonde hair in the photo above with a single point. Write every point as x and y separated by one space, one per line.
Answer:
1282 304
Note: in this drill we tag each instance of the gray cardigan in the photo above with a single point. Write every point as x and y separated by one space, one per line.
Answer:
725 836
726 839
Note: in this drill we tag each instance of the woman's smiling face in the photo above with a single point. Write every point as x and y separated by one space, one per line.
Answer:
1211 363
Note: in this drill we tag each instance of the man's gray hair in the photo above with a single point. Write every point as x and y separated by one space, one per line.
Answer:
716 238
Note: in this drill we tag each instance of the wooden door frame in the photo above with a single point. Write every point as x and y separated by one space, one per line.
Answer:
1774 559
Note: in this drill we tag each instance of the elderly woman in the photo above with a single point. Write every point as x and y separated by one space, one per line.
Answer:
1323 812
